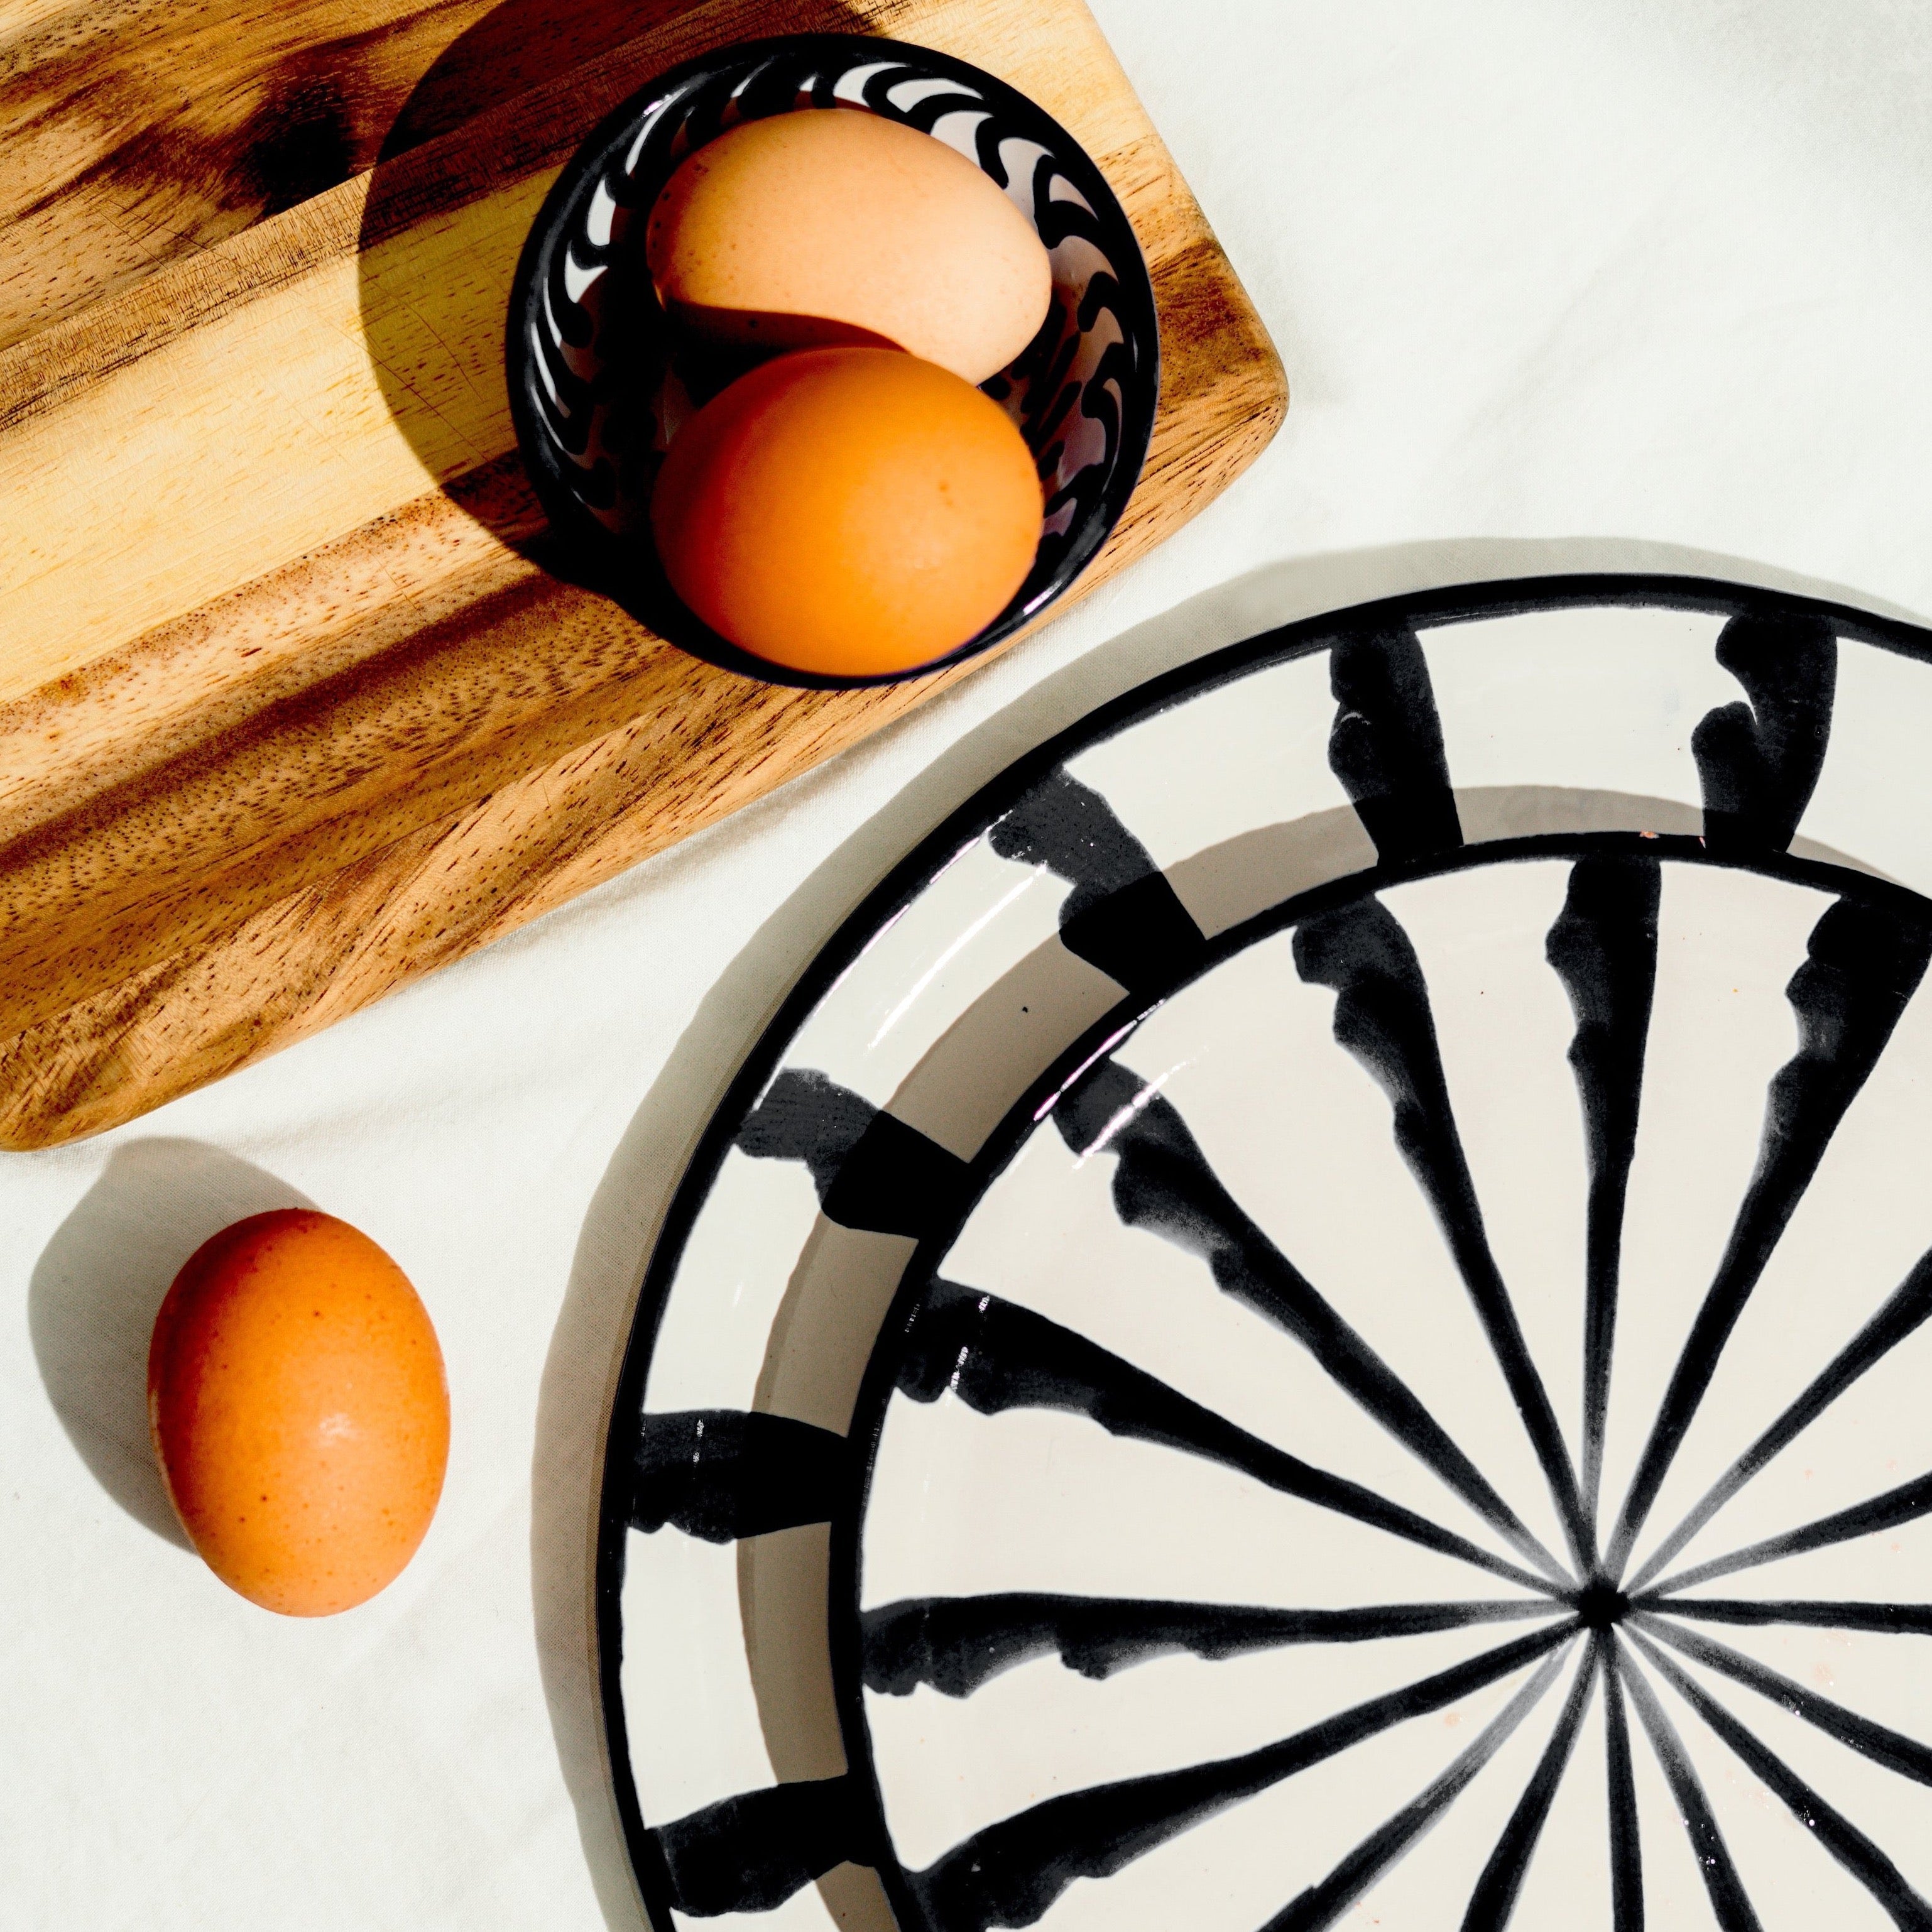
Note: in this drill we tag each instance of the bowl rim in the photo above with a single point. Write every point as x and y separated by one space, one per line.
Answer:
583 550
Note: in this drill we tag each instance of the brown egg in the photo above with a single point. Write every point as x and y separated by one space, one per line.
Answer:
300 1414
836 227
848 511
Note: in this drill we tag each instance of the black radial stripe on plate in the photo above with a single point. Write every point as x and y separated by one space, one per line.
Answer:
871 1171
721 1474
1864 965
1385 746
1626 1835
1729 1904
1163 1184
957 1644
1891 1510
1837 1833
751 1853
1904 1313
1501 1883
1758 763
1382 1019
1122 916
1604 948
1321 1904
1879 1742
1010 1873
995 1356
1882 1619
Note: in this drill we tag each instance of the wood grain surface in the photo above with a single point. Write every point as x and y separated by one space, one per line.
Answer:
291 709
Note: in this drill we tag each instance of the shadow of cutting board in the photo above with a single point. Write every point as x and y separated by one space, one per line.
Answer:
290 709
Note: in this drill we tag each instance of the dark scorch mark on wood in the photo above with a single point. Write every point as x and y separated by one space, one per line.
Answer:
750 1853
1163 1183
1385 746
1759 763
1382 1017
1729 1904
1604 948
1839 1836
721 1474
1321 1905
1864 964
1903 1314
995 1356
871 1171
956 1644
1122 916
1010 1873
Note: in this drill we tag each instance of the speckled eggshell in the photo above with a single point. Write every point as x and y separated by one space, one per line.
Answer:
848 512
835 226
300 1414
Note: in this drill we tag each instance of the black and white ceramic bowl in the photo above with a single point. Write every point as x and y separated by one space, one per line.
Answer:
599 381
1320 1312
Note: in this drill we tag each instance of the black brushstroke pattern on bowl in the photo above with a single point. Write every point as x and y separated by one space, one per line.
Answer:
595 365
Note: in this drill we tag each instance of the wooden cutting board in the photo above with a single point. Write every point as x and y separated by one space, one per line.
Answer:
290 709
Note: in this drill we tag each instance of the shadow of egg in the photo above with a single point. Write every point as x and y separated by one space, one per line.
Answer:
99 1282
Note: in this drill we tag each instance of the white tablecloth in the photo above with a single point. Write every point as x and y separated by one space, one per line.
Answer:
1601 284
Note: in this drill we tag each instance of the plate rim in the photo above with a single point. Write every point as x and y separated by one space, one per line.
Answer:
1028 1115
904 882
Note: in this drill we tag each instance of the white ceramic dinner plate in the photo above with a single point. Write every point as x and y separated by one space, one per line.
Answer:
1319 1313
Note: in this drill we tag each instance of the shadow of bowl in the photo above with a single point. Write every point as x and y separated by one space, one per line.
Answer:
458 178
600 380
97 1286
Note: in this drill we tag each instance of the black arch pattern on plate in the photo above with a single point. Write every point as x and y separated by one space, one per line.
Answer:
722 1474
1122 915
750 1853
1758 764
1386 745
871 1171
